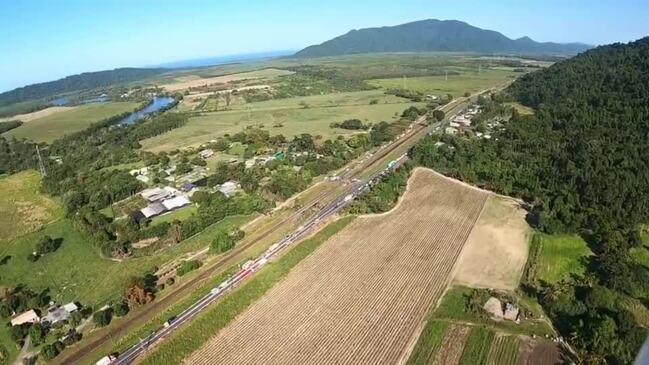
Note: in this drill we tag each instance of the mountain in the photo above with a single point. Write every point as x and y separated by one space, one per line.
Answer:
84 81
434 35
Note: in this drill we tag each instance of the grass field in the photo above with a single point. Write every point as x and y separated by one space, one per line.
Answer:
468 81
179 214
504 350
24 209
191 337
522 109
57 125
292 114
560 256
428 343
477 346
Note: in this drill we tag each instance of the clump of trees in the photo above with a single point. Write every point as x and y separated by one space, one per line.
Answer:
351 124
9 125
188 266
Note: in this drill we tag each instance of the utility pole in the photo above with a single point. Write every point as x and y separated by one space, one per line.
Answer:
445 75
404 82
41 166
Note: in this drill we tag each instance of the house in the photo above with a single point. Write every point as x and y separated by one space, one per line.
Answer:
206 153
142 171
511 312
494 307
153 209
187 187
106 360
143 178
26 317
228 188
57 314
175 202
155 194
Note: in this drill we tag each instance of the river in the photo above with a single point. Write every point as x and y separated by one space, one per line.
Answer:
156 104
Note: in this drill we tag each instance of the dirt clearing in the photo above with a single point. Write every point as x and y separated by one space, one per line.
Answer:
38 114
361 296
495 253
192 81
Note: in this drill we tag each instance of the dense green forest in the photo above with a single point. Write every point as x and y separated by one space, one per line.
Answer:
84 81
581 163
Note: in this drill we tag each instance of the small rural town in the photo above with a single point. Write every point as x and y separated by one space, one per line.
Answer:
324 183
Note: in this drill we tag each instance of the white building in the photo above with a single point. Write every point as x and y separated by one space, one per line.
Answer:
206 153
229 188
27 317
175 202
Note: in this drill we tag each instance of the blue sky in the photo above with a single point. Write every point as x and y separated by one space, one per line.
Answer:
46 40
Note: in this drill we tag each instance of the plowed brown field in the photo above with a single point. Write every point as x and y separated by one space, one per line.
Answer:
359 298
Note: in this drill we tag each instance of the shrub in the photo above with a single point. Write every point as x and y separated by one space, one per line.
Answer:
187 266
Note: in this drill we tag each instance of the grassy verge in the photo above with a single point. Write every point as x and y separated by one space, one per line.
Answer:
190 338
477 347
428 343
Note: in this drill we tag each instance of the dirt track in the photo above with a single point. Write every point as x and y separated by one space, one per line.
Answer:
361 296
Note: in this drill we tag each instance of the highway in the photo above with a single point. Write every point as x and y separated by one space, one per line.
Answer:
249 268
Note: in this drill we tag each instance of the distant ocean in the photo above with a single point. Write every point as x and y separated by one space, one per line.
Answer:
211 61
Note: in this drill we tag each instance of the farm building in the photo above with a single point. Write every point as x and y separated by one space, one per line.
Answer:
26 317
175 202
228 188
155 194
206 153
153 209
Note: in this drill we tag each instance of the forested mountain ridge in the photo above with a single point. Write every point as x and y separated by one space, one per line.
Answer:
434 35
581 162
83 81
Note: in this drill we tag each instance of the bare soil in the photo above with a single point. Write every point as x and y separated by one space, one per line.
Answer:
495 253
361 296
39 114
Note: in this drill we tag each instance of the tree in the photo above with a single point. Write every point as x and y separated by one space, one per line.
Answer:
439 115
222 242
121 309
103 317
228 96
49 351
138 294
187 266
37 333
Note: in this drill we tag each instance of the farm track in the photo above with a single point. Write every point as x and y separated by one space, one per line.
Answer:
359 298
